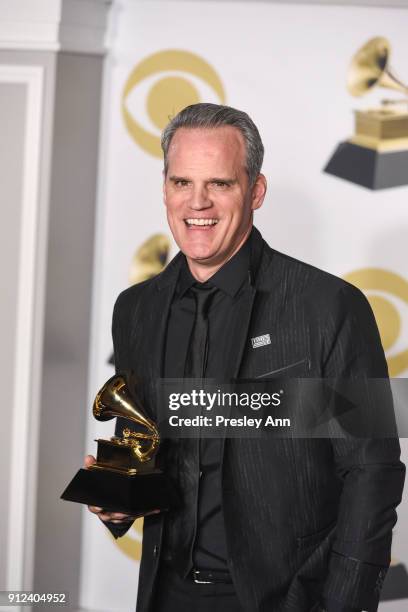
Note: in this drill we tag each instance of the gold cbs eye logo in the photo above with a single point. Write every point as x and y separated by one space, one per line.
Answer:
174 79
387 293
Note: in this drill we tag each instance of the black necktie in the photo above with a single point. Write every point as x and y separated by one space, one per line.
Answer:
198 346
182 531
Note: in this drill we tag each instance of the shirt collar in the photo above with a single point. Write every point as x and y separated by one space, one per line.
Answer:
229 278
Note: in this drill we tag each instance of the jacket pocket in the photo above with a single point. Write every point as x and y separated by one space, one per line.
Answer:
315 538
300 367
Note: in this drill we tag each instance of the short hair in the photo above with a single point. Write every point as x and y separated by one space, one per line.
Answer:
206 116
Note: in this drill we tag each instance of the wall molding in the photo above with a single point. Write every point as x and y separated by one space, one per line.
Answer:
351 3
28 354
76 26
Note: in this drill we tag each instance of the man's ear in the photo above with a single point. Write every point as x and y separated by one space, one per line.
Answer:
164 187
259 191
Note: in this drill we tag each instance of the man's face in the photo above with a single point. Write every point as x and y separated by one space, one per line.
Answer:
207 194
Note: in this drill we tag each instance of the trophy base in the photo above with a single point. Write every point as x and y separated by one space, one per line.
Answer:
135 495
395 583
368 167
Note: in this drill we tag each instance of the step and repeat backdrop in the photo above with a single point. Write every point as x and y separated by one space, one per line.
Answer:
320 82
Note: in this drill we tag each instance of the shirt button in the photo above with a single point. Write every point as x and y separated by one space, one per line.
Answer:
201 474
155 551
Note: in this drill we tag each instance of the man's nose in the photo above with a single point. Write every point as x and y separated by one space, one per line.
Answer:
200 199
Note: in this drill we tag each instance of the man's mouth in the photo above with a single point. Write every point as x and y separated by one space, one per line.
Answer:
192 222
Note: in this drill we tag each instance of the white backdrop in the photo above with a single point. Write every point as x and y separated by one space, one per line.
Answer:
286 66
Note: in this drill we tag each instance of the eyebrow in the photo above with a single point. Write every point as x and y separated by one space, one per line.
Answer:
215 179
178 178
223 180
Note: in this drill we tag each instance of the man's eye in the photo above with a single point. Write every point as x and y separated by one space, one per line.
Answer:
220 184
181 183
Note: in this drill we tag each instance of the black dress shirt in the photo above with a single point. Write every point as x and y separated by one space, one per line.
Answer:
232 280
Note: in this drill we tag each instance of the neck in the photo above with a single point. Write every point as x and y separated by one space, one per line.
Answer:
203 271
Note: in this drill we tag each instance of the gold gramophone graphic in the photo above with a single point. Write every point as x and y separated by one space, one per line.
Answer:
125 477
376 156
150 258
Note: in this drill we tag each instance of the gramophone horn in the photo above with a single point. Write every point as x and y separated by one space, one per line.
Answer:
114 400
150 258
369 68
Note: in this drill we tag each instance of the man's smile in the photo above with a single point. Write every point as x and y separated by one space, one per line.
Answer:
194 223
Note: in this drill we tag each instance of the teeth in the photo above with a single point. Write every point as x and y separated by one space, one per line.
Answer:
201 221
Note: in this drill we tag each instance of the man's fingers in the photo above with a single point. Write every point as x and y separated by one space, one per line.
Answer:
114 517
121 516
106 516
89 460
117 517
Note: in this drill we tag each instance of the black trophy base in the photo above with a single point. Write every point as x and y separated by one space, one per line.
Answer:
369 168
136 495
395 583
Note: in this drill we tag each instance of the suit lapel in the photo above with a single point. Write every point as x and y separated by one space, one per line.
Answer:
242 316
240 323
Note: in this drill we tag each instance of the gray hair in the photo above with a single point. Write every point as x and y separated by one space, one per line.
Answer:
207 116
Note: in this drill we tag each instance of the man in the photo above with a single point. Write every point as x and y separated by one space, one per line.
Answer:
281 525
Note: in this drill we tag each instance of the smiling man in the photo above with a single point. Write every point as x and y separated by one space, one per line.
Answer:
264 525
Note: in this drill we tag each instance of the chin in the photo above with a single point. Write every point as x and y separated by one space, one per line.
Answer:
198 254
197 249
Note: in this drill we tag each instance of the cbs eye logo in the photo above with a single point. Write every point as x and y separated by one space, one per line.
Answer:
387 293
159 87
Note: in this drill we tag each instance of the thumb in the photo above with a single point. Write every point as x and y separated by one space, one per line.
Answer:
89 460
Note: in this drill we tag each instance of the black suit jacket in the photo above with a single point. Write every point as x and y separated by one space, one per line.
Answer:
304 518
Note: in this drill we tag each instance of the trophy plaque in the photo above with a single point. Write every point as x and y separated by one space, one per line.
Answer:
376 156
125 477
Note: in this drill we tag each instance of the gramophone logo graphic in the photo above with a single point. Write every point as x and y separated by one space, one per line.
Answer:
376 156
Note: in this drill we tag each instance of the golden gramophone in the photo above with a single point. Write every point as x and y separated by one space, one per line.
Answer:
135 451
376 156
125 477
384 128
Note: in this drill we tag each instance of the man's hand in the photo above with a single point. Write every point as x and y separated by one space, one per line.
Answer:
119 518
